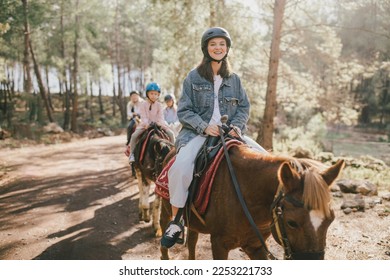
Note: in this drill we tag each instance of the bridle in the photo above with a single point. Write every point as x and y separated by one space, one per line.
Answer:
277 216
159 160
277 211
161 137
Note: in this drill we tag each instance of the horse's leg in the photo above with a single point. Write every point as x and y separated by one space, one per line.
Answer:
255 252
143 204
133 173
218 248
140 187
192 240
156 215
165 218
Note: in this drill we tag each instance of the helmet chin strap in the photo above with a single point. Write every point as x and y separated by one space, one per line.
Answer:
151 102
216 60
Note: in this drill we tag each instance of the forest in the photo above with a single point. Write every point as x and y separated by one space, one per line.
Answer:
75 62
317 74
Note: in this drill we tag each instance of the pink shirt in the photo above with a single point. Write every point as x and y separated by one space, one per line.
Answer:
151 112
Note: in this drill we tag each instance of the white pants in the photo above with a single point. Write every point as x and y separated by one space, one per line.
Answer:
181 172
254 145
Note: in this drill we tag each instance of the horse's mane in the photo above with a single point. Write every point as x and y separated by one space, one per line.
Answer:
156 137
165 144
316 194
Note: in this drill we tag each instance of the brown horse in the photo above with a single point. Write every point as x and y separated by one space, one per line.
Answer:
297 190
148 165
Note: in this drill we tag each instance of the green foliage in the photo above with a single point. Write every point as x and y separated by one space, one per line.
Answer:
334 63
4 27
308 137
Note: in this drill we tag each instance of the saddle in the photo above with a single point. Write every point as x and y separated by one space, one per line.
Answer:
206 166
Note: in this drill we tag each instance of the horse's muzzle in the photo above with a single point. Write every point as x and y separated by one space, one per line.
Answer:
308 255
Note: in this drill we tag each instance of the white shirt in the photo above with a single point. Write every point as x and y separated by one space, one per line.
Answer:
216 117
133 108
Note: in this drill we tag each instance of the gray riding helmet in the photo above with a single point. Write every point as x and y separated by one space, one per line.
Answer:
215 32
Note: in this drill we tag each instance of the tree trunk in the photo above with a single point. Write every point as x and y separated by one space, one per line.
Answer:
48 88
101 108
3 94
130 81
113 92
73 125
60 85
86 104
120 100
27 82
11 104
67 98
213 13
91 99
7 104
66 104
265 135
42 89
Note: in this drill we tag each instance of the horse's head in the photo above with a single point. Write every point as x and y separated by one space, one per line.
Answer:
302 211
157 150
161 147
150 151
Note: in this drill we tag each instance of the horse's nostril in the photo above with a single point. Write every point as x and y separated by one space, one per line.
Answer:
308 255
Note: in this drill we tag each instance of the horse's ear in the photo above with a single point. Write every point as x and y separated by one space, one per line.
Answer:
288 176
331 174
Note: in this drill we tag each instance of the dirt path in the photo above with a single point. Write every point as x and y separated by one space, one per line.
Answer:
78 201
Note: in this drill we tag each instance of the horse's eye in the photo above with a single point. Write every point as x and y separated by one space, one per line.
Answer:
292 224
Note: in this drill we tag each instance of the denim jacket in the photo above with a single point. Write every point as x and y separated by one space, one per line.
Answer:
196 105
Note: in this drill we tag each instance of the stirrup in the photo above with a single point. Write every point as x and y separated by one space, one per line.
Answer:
168 242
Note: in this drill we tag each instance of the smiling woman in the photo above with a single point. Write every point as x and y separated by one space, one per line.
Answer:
210 91
217 48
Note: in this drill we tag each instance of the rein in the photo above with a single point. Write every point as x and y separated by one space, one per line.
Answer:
277 214
241 198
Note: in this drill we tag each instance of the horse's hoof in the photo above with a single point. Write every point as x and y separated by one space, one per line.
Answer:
146 216
158 232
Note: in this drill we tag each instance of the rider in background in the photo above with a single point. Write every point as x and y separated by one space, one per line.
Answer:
133 109
170 114
151 111
209 91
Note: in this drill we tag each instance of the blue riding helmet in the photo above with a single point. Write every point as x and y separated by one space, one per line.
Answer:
153 86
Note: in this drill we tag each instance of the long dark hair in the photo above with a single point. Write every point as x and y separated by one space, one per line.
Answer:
205 70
